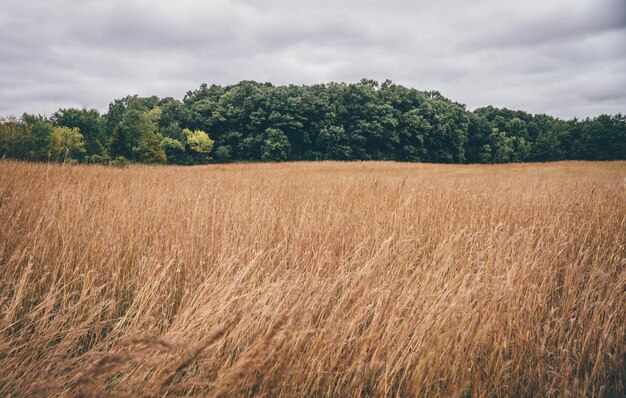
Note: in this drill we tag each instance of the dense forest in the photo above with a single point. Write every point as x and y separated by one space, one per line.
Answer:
252 121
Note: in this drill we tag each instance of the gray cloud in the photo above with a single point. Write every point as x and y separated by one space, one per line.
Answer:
562 57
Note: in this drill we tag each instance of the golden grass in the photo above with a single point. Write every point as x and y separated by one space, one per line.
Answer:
313 279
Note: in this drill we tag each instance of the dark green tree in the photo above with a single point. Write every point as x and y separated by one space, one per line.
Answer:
135 124
275 146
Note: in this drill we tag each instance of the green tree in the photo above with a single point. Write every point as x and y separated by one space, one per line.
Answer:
485 154
136 123
223 153
546 147
37 142
275 146
198 146
366 120
502 145
150 149
15 138
174 150
415 130
333 142
66 143
91 125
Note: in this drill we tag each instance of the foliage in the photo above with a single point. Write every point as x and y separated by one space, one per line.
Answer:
91 125
15 139
136 123
66 143
367 120
150 149
120 161
275 146
223 153
198 146
173 148
35 141
97 159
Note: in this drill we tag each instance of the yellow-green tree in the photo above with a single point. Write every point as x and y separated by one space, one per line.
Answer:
198 146
66 143
150 149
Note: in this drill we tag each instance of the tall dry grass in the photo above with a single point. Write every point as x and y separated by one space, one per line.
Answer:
314 279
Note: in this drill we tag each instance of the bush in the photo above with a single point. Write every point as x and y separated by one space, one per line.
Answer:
120 161
97 159
223 153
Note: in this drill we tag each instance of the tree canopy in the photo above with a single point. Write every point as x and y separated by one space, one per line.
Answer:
252 121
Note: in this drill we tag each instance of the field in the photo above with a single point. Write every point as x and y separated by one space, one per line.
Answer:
313 279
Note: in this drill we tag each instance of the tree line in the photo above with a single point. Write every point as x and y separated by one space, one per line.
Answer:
252 121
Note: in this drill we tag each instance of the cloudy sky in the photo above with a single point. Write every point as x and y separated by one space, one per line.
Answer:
562 57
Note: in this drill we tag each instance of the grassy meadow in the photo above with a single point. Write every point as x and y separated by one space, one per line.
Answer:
313 279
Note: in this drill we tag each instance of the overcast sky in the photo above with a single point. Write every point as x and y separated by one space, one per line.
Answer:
562 57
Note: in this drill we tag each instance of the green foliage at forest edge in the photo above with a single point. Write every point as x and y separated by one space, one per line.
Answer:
252 121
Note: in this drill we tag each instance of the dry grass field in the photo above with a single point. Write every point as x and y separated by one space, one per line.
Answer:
313 279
